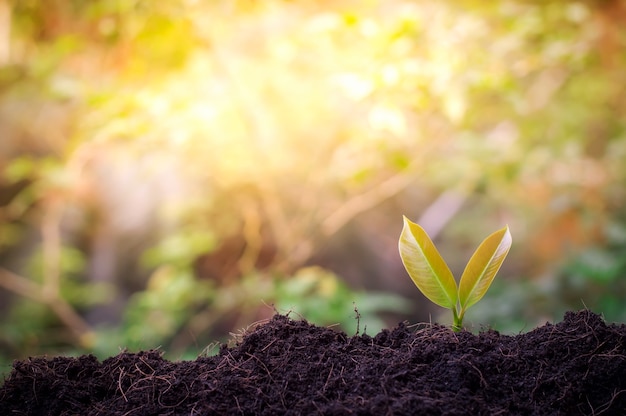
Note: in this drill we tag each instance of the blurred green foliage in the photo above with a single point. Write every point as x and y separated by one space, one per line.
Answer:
169 167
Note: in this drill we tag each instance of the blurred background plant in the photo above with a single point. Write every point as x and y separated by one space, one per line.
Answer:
174 171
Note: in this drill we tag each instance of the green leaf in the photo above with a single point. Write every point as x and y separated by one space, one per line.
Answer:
426 267
482 267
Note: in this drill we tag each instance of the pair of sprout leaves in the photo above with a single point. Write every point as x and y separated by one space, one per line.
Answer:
433 277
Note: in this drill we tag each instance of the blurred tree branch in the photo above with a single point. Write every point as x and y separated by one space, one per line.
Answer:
365 201
61 308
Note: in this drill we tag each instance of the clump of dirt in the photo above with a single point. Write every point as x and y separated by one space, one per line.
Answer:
576 367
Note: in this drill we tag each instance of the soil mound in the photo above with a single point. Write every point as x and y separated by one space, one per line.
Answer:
287 367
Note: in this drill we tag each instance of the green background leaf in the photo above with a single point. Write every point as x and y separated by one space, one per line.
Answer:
426 267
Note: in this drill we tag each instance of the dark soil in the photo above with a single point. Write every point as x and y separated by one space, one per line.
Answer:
576 367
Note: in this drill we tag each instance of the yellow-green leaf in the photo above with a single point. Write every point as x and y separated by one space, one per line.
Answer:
426 267
483 266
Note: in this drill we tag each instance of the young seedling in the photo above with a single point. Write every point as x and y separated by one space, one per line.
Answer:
433 277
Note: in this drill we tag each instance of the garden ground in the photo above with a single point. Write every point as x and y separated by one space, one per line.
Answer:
285 366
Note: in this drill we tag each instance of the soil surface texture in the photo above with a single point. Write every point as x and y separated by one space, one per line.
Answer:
288 367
